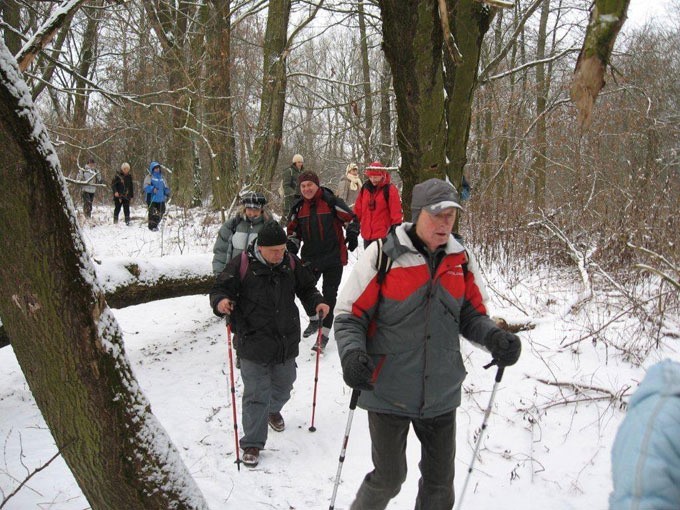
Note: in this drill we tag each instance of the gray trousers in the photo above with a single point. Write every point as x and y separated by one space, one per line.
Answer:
388 449
266 389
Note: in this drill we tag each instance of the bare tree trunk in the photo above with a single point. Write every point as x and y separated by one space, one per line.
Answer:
538 165
469 21
606 19
413 47
11 14
87 62
65 338
170 23
385 152
219 115
367 127
274 80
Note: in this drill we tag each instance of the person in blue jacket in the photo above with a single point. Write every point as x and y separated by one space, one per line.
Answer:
646 451
157 192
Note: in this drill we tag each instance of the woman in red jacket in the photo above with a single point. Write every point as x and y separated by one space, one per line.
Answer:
378 206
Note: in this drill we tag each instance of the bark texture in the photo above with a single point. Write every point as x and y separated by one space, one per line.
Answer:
65 338
606 19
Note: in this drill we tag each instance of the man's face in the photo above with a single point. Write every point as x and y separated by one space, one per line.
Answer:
298 164
308 189
253 212
273 254
125 170
434 229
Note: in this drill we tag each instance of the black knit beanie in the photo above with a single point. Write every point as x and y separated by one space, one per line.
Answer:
271 234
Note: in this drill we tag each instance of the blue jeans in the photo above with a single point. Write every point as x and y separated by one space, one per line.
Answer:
388 449
266 389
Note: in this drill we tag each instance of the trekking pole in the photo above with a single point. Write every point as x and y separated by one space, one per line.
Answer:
499 376
233 395
352 406
312 428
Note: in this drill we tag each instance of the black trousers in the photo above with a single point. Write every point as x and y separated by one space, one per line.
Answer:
329 288
117 204
88 198
437 438
156 212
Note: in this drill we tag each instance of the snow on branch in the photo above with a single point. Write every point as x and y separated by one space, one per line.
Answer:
46 32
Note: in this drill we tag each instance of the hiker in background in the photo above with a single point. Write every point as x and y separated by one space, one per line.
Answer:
123 192
156 186
260 301
89 175
316 221
240 230
464 189
349 186
378 206
407 322
646 451
291 189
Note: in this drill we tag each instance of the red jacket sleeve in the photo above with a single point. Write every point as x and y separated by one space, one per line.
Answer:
396 213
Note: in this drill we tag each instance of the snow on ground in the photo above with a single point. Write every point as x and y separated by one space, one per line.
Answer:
537 453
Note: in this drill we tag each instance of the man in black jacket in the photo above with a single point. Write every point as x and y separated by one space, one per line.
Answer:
260 300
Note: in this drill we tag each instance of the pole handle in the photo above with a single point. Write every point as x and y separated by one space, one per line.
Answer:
499 372
354 399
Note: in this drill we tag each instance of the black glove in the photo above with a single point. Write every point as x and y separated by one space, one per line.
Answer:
357 370
352 235
505 347
293 245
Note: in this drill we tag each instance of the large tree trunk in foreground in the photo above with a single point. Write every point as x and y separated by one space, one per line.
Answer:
64 336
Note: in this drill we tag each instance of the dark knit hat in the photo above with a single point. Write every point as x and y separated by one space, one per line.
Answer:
271 234
308 175
253 200
434 195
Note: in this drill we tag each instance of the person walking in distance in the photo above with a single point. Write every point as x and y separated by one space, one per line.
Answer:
260 301
123 192
407 322
158 191
291 188
378 206
316 221
350 184
91 176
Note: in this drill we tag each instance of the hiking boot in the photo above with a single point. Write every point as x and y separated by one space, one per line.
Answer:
251 456
311 329
324 343
276 422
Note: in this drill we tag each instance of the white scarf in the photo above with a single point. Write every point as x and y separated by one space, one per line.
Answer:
354 181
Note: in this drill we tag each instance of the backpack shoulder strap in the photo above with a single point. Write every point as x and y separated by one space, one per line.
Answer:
386 193
244 265
383 263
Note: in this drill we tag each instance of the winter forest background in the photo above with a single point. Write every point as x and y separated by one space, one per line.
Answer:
574 217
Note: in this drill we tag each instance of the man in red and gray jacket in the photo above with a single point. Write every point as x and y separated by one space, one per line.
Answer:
407 322
316 220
